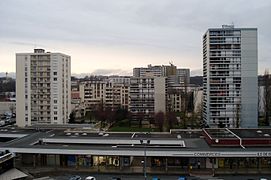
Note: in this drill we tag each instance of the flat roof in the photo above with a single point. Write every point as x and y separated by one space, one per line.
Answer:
177 144
251 133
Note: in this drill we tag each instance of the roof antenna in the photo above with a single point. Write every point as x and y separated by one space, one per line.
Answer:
232 23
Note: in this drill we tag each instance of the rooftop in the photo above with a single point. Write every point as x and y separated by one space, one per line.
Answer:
83 141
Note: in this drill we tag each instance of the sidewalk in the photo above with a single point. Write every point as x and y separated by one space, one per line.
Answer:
43 171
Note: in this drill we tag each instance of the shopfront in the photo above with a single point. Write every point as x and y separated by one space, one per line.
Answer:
244 162
106 161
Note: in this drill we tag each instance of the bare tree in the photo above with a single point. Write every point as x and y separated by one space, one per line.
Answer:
72 117
184 103
171 119
267 98
12 108
159 119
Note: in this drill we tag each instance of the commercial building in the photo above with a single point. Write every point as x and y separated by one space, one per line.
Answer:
230 86
43 88
207 151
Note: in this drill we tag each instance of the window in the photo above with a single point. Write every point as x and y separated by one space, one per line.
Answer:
55 79
55 101
55 73
55 112
55 118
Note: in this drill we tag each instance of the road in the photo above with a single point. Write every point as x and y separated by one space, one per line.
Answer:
162 177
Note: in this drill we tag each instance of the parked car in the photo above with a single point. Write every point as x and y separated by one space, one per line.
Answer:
182 178
115 178
76 177
90 178
155 178
2 123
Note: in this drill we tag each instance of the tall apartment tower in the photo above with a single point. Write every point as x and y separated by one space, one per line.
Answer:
43 83
147 97
230 70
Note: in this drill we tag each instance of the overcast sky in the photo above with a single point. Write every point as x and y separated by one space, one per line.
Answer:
113 36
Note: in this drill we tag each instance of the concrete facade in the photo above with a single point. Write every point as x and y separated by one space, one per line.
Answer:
230 68
43 92
147 97
105 92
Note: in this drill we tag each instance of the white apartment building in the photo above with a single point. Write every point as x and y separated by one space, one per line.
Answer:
175 80
43 83
147 97
230 70
96 93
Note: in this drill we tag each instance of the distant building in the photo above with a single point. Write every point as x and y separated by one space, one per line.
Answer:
230 86
104 93
120 79
174 75
175 82
43 88
183 76
148 71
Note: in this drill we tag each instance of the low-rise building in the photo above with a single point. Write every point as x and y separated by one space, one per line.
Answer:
206 151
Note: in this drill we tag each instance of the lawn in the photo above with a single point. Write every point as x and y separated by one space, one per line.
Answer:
132 129
123 126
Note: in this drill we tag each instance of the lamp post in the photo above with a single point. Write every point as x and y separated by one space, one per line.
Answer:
145 157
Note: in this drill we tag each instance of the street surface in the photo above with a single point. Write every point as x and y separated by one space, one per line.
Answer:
162 177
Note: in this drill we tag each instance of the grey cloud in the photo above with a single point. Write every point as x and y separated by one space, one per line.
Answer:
196 72
157 26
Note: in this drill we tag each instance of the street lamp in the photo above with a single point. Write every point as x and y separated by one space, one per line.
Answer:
145 143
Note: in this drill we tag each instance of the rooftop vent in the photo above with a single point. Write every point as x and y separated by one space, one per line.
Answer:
266 135
259 131
68 134
84 134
